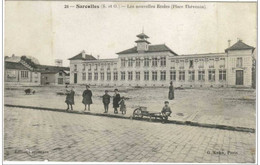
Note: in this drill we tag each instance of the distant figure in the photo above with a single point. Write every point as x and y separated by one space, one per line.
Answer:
29 91
69 97
116 100
171 92
106 100
87 98
166 111
122 105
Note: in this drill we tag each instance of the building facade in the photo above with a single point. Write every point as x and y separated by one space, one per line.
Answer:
53 75
17 73
157 65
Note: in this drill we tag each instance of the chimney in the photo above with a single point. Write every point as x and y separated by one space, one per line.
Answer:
229 43
83 54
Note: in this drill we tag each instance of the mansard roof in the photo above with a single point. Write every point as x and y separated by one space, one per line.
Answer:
239 45
80 57
151 48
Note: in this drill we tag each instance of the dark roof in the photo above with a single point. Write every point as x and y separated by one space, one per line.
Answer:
50 69
239 45
142 40
15 65
151 48
79 57
142 35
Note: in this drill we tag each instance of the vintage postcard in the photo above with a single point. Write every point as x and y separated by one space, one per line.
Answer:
129 82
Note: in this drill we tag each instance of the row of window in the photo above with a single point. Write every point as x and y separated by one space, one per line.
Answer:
191 75
155 62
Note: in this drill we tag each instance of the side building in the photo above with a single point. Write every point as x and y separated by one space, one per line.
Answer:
157 65
16 73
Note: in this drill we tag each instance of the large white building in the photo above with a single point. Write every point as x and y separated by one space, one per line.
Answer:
157 65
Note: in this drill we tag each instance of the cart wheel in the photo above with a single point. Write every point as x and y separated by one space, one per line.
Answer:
138 113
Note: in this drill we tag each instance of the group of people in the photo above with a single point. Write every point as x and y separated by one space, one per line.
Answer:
118 101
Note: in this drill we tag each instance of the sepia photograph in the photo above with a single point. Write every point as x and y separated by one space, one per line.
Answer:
129 82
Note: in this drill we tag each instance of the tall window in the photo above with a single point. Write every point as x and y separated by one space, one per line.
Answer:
137 64
163 61
191 75
154 75
108 66
211 63
89 76
181 64
173 65
84 67
146 61
95 76
154 61
146 75
130 62
191 64
201 63
108 76
75 67
211 75
24 74
239 62
201 75
89 68
122 75
102 76
173 75
115 76
96 66
123 61
222 75
163 75
222 63
83 76
130 75
137 76
182 75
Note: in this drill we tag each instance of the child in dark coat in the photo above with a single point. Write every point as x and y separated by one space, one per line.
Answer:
122 105
87 98
116 100
69 98
106 101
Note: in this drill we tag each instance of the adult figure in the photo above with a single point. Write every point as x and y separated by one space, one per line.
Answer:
69 97
171 92
116 100
87 98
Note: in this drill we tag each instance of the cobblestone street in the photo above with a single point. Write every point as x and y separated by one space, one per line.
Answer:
40 135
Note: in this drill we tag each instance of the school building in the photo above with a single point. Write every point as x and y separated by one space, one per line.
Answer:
157 65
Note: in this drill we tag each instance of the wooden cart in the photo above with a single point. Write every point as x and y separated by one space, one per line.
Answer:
141 112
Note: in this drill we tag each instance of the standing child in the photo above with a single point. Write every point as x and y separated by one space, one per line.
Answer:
106 100
69 97
87 97
116 100
122 105
166 111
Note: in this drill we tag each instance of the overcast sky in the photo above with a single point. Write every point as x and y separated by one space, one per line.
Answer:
48 31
